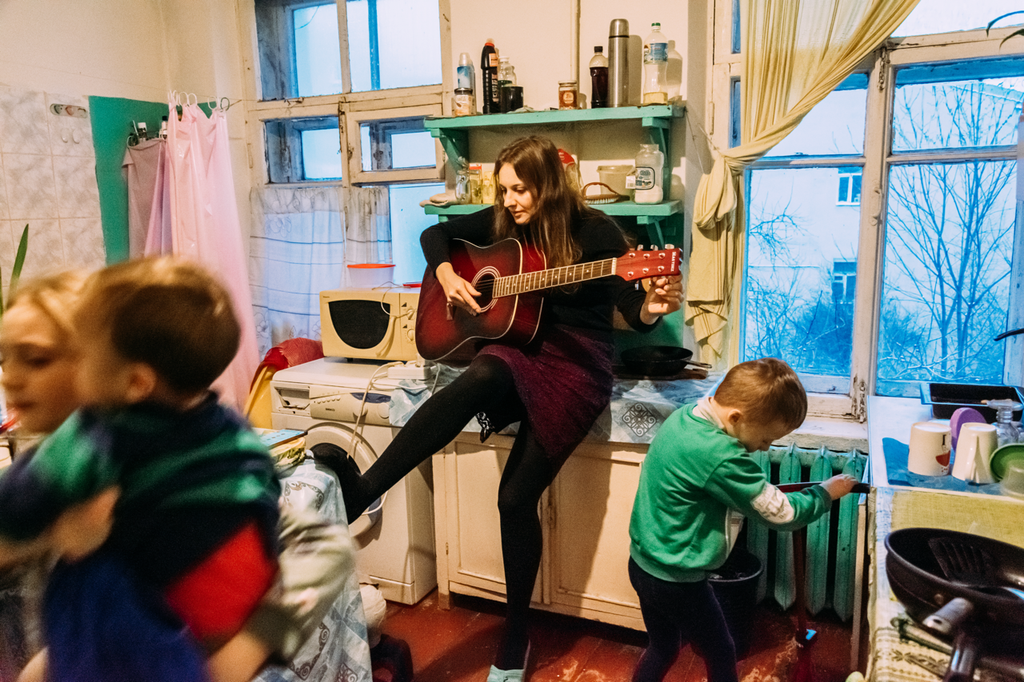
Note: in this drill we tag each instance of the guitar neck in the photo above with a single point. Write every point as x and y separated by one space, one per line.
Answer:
512 285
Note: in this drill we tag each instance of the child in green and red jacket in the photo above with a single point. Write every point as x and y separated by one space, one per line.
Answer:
696 470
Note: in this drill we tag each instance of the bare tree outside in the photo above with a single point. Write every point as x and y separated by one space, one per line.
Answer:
949 243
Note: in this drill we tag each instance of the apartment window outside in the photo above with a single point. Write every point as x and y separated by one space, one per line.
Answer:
849 186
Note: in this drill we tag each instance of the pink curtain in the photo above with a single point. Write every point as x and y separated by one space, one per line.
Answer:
195 216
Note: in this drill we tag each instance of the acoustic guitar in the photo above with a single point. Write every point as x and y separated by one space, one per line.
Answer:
509 277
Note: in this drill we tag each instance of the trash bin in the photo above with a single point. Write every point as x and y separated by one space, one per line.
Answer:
735 587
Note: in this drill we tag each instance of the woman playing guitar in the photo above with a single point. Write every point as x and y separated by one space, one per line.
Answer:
556 386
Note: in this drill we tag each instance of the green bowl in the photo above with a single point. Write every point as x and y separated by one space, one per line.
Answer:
1003 457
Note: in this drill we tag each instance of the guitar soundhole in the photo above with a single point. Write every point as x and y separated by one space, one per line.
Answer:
484 283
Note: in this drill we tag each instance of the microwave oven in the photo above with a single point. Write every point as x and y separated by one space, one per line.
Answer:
369 324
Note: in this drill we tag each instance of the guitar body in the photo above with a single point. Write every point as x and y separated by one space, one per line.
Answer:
453 337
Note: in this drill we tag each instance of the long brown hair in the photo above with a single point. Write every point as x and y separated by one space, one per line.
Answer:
536 162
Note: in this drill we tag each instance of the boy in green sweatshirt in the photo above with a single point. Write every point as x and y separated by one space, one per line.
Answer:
696 470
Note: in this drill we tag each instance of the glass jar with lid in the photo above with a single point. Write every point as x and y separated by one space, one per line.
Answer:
568 95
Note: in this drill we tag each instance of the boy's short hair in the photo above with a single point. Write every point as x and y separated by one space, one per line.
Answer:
168 313
766 391
55 295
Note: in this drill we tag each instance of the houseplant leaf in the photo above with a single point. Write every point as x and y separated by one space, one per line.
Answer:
19 261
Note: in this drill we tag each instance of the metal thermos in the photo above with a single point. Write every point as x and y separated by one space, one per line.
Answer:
618 66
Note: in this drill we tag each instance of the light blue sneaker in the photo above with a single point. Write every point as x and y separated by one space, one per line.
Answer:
515 675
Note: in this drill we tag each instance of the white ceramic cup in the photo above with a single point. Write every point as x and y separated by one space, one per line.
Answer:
929 448
974 448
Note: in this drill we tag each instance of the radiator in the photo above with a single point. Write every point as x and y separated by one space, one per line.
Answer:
832 540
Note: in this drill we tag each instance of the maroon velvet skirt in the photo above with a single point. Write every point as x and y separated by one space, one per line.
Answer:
564 380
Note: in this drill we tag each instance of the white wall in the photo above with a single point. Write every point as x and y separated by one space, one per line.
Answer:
111 48
136 49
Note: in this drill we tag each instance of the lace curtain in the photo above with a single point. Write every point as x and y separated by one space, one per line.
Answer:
302 239
794 54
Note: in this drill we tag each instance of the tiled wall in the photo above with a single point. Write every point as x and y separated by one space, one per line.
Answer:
48 181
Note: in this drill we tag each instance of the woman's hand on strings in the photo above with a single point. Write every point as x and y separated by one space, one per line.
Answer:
665 296
457 291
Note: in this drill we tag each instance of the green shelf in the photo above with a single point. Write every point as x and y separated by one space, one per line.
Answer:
650 215
658 114
622 208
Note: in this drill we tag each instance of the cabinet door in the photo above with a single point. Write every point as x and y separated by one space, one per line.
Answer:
592 498
471 475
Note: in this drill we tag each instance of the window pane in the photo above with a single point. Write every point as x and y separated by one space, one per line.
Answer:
801 274
961 105
321 154
317 50
396 143
945 290
303 149
947 16
834 126
300 52
413 150
407 222
393 43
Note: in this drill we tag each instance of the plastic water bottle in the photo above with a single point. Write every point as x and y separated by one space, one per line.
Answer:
598 79
656 67
650 167
465 74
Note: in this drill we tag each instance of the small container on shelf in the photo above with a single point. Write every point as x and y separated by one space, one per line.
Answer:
568 95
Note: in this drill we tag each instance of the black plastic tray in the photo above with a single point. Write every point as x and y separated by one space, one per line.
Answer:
946 398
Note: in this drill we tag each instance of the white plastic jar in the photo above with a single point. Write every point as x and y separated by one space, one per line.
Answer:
650 168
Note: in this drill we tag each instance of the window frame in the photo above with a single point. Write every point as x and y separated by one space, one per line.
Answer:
348 106
875 162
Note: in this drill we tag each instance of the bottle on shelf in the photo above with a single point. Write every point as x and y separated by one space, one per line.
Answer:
506 72
464 103
465 74
1006 431
618 63
163 128
598 79
650 167
656 67
491 94
506 80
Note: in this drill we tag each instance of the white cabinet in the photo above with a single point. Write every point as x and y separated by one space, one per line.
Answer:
585 515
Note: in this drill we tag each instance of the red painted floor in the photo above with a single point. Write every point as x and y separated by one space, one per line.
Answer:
458 645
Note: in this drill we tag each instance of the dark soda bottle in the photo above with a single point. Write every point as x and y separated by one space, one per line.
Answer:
491 103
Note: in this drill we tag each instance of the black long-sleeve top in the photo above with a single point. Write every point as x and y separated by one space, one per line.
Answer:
588 305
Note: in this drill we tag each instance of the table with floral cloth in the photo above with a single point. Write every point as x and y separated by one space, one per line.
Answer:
339 651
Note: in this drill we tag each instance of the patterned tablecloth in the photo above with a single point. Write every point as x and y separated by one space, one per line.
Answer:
893 657
339 652
637 409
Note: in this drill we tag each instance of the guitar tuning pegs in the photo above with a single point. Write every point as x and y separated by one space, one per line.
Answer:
639 247
669 247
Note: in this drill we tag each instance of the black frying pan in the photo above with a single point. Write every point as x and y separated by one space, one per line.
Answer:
659 361
960 586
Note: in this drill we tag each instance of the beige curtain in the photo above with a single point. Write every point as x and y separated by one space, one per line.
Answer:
795 52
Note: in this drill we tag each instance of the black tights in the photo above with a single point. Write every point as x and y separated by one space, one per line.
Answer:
484 386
